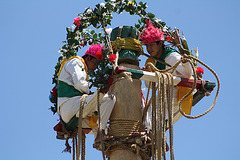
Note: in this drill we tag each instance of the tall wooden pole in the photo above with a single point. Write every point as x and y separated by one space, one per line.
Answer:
126 116
127 107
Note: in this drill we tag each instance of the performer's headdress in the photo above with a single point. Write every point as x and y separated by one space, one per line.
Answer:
92 51
151 34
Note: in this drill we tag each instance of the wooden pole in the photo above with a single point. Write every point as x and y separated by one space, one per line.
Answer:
127 107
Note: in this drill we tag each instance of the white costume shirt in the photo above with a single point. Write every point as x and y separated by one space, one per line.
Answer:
74 74
183 70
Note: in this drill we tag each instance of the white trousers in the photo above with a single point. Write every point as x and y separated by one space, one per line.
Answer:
71 107
148 120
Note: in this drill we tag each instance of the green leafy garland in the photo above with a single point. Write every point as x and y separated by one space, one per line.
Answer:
80 35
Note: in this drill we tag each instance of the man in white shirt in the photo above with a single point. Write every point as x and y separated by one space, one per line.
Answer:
73 83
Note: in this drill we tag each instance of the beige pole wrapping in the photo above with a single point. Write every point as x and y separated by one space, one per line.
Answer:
126 114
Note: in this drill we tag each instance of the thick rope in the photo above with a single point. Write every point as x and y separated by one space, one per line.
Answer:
74 143
124 128
170 112
153 138
99 123
188 59
216 96
156 153
159 118
165 94
83 146
81 154
162 106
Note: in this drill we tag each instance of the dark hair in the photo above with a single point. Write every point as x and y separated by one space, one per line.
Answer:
85 56
163 45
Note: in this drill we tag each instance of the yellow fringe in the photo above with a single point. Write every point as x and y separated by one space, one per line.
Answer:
127 43
65 60
187 103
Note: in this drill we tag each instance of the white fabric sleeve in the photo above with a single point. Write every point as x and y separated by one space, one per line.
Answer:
77 70
183 70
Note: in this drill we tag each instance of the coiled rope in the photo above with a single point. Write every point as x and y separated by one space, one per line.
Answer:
173 68
217 92
165 94
80 146
158 113
100 124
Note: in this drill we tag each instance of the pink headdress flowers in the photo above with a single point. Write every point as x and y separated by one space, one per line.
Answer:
151 34
92 51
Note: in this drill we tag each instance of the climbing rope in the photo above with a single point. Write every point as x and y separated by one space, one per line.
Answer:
100 124
153 140
217 92
158 113
188 58
81 136
170 114
124 128
165 94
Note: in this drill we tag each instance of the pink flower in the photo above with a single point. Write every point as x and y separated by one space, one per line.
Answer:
77 21
200 70
99 55
82 42
112 57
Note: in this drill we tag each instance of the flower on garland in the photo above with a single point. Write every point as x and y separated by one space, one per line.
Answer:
81 35
53 99
112 58
169 39
54 92
77 21
200 72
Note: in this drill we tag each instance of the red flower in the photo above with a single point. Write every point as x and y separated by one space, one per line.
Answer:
77 21
99 55
168 38
54 92
200 70
112 57
82 42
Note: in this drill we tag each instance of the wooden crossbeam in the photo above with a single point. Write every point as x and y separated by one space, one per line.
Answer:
151 76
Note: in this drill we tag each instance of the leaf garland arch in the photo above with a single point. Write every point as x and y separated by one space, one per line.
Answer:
80 35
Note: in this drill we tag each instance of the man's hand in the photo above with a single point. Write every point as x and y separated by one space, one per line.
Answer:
184 57
148 68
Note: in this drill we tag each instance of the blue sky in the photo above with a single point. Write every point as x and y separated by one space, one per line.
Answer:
31 33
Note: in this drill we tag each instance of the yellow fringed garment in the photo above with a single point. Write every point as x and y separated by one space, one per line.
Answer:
187 102
127 43
93 121
181 92
65 60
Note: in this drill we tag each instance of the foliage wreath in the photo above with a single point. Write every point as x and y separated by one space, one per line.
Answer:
80 35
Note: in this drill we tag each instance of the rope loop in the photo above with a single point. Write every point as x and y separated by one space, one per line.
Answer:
189 58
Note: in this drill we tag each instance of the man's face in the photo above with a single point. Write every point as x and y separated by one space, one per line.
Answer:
153 49
91 63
